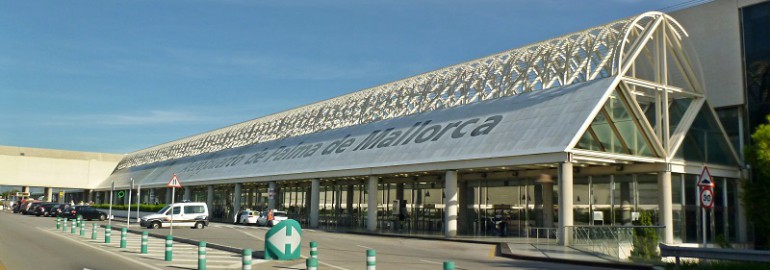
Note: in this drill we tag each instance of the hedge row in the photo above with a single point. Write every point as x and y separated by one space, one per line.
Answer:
143 207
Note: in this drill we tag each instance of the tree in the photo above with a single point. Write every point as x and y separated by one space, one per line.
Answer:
9 193
645 246
756 193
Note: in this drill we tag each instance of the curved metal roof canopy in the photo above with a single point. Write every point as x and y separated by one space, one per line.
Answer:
642 62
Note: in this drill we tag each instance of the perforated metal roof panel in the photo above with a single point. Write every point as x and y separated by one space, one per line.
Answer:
531 123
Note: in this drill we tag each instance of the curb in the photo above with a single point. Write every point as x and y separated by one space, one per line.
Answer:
423 237
501 247
188 241
505 251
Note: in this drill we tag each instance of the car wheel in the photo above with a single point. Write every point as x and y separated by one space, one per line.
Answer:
155 225
199 225
102 217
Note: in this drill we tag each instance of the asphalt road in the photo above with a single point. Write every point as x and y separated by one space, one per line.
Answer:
25 244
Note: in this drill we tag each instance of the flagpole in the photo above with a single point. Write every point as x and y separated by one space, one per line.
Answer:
171 229
128 216
109 215
138 200
173 184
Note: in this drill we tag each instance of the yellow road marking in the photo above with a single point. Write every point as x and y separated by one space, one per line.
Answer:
492 252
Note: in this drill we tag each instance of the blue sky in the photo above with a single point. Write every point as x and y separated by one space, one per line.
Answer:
119 76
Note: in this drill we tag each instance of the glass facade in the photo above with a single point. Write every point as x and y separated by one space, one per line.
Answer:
614 131
755 28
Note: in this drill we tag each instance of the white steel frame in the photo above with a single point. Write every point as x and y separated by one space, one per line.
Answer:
599 52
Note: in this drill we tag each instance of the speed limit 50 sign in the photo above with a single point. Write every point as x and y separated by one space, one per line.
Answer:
706 198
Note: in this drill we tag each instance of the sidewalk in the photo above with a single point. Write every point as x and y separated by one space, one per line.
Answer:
545 250
562 254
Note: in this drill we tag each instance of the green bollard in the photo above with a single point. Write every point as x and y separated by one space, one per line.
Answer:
58 223
80 220
371 259
64 225
83 230
74 227
246 259
311 263
107 234
169 242
314 250
201 255
123 235
93 232
144 242
449 265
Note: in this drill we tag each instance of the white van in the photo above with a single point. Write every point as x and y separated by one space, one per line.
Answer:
190 214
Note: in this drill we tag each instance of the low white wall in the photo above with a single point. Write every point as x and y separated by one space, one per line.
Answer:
122 213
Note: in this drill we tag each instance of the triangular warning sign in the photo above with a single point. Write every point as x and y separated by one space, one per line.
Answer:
705 178
174 182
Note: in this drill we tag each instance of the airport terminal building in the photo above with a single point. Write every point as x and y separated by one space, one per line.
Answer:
590 128
593 128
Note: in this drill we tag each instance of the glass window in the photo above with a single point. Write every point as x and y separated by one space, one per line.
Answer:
647 191
163 210
705 142
613 130
194 209
755 29
730 119
177 210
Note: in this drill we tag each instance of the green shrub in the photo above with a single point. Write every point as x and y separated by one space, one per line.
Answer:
719 265
645 246
143 207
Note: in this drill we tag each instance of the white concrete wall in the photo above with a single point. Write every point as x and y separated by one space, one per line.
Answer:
35 167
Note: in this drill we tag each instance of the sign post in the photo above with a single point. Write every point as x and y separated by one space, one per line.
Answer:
706 185
128 216
283 241
109 215
138 201
173 184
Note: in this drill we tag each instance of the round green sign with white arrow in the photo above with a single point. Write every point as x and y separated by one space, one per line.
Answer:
283 241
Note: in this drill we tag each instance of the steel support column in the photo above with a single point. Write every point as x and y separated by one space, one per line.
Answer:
665 202
566 218
371 204
451 202
315 194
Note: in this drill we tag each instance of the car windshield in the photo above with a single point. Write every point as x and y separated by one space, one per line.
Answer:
161 211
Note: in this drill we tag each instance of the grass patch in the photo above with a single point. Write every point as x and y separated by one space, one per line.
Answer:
720 265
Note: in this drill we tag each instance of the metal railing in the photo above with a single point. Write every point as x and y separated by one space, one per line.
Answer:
613 242
542 235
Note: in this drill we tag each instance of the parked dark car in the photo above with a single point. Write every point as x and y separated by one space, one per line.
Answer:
58 210
42 209
88 213
26 207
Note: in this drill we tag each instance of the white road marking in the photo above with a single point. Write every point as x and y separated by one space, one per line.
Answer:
427 261
252 235
323 263
364 247
103 250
